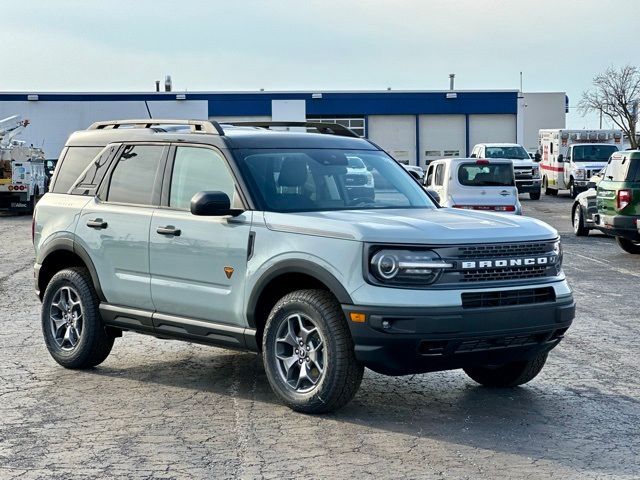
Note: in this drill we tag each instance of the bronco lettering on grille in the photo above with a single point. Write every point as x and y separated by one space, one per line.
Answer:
509 262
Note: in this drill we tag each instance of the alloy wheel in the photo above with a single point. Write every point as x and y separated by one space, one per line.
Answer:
300 353
65 318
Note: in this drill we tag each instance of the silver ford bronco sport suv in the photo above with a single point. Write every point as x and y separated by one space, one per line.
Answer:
247 237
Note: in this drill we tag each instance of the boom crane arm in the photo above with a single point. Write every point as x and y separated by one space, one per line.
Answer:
10 127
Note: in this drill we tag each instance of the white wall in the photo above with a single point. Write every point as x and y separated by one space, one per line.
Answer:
440 133
491 128
537 111
53 122
396 134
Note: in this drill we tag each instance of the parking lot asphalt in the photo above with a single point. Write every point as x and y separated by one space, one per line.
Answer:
163 409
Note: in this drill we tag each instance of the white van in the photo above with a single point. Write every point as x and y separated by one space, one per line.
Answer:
475 184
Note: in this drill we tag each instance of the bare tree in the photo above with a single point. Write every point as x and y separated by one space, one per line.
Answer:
616 94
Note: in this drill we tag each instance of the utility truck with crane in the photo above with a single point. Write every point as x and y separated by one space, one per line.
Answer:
23 177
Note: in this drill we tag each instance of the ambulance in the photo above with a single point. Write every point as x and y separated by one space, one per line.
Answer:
569 158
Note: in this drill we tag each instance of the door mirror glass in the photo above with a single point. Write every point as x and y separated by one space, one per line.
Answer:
560 158
212 204
434 195
537 157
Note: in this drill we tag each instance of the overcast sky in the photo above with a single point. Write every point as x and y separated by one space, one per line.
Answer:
124 45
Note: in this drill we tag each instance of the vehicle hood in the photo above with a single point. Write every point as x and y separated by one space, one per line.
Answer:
440 226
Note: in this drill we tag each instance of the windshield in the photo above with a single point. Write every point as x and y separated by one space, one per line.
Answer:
296 180
492 175
514 152
593 153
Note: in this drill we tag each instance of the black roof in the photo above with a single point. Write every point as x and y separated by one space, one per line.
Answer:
247 137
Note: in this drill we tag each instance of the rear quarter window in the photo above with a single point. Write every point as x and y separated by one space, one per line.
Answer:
74 162
618 169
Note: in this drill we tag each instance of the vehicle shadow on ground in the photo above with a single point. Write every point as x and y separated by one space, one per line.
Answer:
570 426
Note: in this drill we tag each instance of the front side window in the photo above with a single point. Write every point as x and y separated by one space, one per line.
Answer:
289 180
197 170
440 175
134 176
491 175
593 153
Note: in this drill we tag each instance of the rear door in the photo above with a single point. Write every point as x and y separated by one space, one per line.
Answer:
199 270
114 226
484 184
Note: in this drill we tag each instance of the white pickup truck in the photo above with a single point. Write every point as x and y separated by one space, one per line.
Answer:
526 170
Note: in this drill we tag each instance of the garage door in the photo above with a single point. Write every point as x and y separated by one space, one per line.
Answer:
491 129
396 134
441 136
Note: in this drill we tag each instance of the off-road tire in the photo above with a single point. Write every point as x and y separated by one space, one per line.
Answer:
579 229
628 246
342 374
534 195
510 374
94 344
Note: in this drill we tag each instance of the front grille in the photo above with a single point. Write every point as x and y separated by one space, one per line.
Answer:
355 180
492 274
501 342
503 250
508 298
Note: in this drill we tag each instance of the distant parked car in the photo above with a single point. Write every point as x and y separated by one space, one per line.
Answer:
415 171
359 181
474 184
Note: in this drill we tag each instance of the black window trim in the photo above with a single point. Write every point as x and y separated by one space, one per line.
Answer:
168 175
60 163
103 190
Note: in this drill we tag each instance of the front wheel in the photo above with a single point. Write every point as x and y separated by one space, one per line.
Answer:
572 189
508 375
534 195
308 353
71 323
628 246
578 222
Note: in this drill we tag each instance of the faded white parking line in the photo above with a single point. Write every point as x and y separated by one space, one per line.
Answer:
606 264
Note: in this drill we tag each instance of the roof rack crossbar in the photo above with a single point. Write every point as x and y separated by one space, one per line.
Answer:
322 127
196 126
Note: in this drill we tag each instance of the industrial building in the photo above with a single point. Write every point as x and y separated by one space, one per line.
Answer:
413 126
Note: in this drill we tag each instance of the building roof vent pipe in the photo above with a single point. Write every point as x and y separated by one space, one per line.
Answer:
452 77
167 83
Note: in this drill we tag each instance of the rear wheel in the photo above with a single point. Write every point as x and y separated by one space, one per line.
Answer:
510 374
308 353
71 323
578 222
628 246
545 186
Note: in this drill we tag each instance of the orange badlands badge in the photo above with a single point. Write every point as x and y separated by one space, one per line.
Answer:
228 271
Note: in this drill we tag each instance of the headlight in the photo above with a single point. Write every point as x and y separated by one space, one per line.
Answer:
406 267
557 250
369 180
535 171
580 174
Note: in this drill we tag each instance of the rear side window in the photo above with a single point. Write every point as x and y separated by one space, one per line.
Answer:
623 170
73 164
134 178
492 175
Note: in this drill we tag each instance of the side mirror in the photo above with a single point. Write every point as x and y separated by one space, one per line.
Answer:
434 195
537 157
591 185
212 204
560 158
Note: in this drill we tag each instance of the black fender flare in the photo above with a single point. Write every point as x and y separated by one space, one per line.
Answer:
67 244
295 266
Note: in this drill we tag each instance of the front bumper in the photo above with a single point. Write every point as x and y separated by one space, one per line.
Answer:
408 340
528 186
625 226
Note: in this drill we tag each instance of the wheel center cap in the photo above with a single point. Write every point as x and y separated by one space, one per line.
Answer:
302 353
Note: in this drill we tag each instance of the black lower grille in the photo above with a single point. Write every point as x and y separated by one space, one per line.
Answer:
508 297
484 344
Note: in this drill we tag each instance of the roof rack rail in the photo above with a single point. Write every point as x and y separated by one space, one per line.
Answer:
196 126
326 128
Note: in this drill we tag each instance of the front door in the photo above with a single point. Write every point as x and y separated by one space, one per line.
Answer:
198 263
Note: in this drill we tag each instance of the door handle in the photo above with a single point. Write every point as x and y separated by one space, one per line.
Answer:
97 223
169 230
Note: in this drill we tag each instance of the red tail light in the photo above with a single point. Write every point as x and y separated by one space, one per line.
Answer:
492 208
482 162
623 198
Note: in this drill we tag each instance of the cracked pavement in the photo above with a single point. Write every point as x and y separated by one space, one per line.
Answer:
165 409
